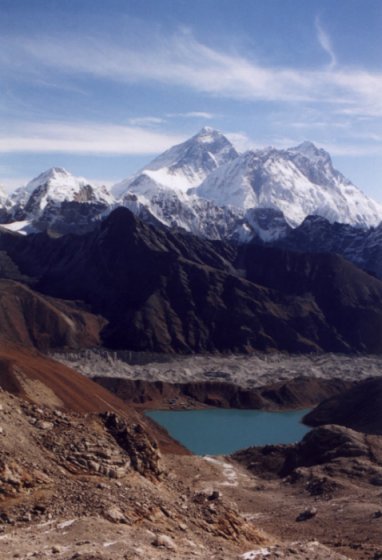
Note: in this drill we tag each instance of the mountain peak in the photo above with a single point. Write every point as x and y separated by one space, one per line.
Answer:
311 151
208 134
52 173
182 167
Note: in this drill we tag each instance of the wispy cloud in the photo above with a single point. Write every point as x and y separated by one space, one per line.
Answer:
326 43
84 138
193 115
146 121
10 183
242 141
183 61
353 149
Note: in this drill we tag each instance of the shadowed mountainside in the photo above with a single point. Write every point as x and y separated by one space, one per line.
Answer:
359 408
178 293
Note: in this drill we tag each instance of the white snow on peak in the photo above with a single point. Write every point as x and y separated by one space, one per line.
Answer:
52 176
204 186
56 185
300 181
207 135
182 167
4 198
310 150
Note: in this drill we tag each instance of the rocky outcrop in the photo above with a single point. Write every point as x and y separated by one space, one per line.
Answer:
358 408
141 449
337 451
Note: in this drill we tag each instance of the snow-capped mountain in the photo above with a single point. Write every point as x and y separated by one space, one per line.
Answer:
300 181
206 187
161 192
264 192
5 202
3 197
57 199
56 185
5 205
181 167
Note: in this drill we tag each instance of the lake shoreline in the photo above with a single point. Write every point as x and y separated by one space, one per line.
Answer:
216 432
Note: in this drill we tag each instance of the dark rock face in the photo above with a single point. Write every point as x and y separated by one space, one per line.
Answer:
70 217
347 297
179 293
359 408
362 247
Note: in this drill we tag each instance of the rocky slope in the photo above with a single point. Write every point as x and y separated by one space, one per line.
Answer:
100 485
327 485
342 292
84 477
31 319
358 408
162 292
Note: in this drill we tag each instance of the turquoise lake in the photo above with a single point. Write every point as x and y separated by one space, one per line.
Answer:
218 431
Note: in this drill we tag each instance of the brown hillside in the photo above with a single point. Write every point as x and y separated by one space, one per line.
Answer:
30 375
32 319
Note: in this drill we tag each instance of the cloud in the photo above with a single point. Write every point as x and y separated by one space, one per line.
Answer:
325 42
9 184
242 141
84 138
193 115
180 60
353 149
146 121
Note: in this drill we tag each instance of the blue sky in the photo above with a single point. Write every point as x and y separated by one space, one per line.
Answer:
101 87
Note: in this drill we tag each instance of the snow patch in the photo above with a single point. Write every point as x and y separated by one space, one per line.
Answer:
229 472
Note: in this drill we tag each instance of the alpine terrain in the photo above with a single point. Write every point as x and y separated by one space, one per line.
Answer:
208 278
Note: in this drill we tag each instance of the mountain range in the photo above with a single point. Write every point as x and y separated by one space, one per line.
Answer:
205 187
205 250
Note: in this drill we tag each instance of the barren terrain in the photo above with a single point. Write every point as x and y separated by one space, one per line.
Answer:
77 483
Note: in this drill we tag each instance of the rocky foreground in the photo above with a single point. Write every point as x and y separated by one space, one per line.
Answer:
83 476
75 486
